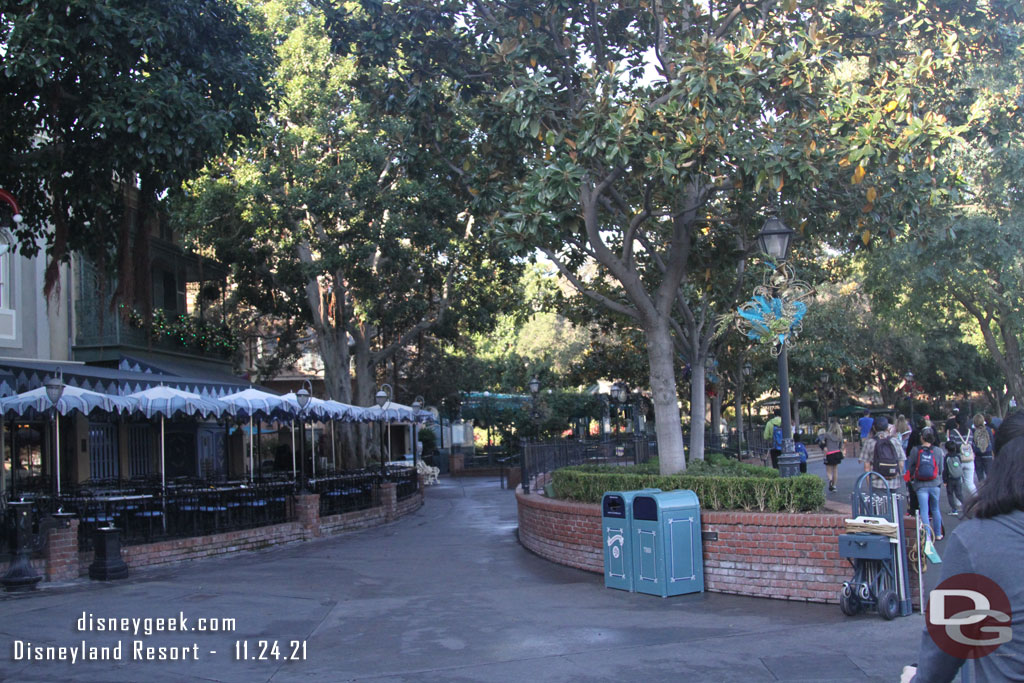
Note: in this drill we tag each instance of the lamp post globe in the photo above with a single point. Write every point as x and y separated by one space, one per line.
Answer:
54 390
382 398
775 238
302 396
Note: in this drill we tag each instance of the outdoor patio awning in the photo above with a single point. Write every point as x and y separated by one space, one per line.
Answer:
30 374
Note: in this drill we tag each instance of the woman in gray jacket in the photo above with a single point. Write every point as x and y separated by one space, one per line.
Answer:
989 544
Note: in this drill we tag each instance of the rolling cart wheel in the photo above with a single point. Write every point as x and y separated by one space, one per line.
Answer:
849 604
864 592
888 605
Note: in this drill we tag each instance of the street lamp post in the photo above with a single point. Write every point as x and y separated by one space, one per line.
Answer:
417 406
619 394
54 390
302 396
774 240
534 385
383 399
747 370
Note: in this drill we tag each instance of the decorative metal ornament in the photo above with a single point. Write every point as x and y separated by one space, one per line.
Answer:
775 313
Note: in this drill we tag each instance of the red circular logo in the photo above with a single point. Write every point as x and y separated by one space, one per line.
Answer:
968 616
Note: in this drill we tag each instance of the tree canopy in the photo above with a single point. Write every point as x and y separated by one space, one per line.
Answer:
652 138
108 104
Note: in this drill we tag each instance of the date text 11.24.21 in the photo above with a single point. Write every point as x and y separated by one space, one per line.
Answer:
271 650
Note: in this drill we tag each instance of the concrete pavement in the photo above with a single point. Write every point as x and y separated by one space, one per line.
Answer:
445 594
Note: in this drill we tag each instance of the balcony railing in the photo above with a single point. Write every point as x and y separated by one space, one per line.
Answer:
98 326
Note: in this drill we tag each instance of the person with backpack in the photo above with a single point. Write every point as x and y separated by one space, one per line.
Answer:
773 435
952 477
981 438
924 465
963 442
883 453
801 450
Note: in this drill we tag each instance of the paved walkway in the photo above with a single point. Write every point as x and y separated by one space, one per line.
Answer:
446 594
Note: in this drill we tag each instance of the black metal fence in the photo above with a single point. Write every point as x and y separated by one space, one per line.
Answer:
539 458
407 480
146 512
346 492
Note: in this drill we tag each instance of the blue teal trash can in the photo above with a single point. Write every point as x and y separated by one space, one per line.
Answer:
667 551
616 523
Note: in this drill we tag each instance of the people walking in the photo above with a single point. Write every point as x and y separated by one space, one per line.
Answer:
773 435
865 423
831 442
903 430
981 437
952 477
924 466
989 543
963 440
801 450
883 454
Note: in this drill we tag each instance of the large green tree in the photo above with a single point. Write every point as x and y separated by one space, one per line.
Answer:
969 265
108 103
652 137
337 219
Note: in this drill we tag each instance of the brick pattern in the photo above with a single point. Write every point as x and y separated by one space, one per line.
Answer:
61 561
772 555
61 553
561 531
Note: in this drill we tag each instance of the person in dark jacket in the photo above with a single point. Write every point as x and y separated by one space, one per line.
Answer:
990 542
927 479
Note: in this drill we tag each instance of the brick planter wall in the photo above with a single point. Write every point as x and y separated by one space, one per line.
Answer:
770 555
61 560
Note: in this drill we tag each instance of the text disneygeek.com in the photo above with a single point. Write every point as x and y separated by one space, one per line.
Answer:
140 649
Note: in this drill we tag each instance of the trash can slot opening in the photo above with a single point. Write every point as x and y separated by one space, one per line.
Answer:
645 509
614 506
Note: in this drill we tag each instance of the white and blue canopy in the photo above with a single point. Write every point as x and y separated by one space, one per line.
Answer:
260 404
168 402
36 402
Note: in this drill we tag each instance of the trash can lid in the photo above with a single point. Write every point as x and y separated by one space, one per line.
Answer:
678 499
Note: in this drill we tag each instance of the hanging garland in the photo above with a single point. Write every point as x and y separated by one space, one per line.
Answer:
188 332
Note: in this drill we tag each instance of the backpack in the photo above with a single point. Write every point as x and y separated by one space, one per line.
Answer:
777 437
927 469
982 439
885 461
954 468
966 451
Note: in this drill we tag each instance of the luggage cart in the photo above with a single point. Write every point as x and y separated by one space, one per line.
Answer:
880 578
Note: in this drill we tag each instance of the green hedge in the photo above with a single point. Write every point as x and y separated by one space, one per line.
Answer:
764 493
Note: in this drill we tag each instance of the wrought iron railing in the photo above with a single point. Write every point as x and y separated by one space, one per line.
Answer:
540 458
407 480
346 492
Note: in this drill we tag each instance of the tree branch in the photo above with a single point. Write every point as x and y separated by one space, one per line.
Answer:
581 287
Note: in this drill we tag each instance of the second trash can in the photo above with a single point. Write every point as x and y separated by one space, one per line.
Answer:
617 534
668 555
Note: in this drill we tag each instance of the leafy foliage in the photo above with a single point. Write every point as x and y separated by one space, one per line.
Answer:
107 105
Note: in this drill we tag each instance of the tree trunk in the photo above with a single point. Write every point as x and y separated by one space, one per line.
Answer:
368 446
716 418
698 407
665 399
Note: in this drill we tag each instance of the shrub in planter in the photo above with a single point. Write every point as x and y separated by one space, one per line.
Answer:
764 493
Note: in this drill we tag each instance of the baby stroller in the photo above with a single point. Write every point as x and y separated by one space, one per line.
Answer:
876 548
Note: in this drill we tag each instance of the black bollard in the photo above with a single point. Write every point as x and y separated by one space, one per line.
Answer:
20 576
107 564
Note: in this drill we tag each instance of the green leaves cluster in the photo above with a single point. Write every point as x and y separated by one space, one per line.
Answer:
108 104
